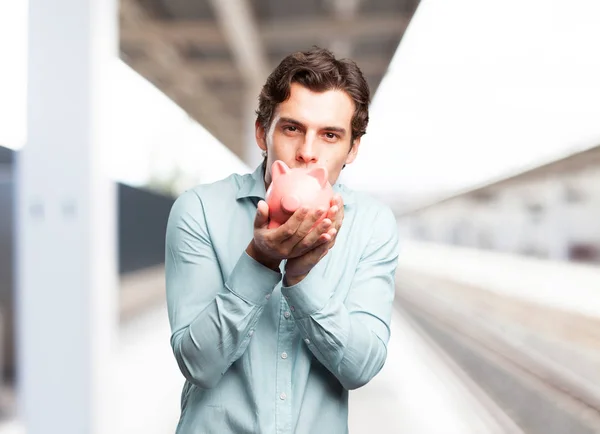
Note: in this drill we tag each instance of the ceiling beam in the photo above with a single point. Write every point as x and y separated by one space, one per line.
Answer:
241 31
344 10
181 84
279 33
185 86
370 64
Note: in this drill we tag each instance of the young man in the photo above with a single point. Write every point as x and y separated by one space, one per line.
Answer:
272 327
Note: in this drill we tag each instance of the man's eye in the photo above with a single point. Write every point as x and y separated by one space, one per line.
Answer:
290 128
331 135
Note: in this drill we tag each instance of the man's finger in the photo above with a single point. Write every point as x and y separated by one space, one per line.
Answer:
299 246
262 215
290 227
314 255
334 199
332 213
324 238
329 235
340 208
309 231
309 223
337 200
333 236
320 252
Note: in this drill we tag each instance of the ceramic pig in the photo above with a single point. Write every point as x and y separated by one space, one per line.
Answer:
292 188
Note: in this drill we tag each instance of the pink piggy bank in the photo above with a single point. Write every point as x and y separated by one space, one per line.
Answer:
291 189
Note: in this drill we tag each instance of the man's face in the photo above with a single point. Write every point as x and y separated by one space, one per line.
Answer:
310 129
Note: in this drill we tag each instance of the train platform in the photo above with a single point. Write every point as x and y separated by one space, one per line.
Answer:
481 343
414 384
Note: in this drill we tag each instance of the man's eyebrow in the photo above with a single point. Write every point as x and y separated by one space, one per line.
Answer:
290 121
336 129
300 124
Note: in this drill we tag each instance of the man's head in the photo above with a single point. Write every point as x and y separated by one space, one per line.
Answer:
313 110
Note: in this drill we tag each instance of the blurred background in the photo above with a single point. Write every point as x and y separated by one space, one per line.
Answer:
484 139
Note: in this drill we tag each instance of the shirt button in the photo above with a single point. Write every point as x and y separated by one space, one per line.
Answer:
307 341
284 355
287 315
282 396
250 333
268 296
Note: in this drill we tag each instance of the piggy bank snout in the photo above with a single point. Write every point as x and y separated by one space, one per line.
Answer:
290 203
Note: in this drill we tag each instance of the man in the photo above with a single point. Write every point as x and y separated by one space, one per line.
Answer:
272 327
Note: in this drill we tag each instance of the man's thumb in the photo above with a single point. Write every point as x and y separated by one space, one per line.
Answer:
262 214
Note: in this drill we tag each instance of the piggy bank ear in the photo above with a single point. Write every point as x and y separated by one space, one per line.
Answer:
320 173
278 168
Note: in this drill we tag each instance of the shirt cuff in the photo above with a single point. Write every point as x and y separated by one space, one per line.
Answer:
252 281
307 297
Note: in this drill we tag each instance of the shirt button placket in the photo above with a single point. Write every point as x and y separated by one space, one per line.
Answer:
284 369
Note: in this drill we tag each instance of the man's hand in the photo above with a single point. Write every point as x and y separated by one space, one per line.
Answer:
297 268
290 240
336 215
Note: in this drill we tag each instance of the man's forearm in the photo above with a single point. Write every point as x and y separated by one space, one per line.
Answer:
221 330
211 318
350 345
206 348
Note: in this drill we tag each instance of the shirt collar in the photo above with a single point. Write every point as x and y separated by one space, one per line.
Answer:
253 185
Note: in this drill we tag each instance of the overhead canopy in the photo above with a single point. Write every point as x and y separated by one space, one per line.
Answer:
212 56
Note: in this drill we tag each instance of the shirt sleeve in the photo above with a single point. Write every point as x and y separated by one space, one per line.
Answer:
211 317
349 337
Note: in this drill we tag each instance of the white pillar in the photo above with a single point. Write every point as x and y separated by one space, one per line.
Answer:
66 222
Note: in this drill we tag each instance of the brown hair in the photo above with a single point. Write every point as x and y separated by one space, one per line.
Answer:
319 71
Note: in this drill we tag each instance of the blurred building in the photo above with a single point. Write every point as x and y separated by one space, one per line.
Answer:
551 211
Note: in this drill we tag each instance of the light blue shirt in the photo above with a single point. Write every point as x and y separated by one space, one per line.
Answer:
259 357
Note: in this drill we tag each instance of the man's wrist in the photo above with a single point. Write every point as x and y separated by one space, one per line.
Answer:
293 280
258 256
308 296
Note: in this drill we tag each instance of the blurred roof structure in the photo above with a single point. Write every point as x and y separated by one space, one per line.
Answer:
569 163
211 57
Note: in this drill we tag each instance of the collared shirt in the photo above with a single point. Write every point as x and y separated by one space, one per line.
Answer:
260 357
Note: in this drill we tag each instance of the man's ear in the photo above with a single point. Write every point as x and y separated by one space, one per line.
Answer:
261 135
353 151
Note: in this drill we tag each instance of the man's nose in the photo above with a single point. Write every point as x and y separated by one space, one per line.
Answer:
306 153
